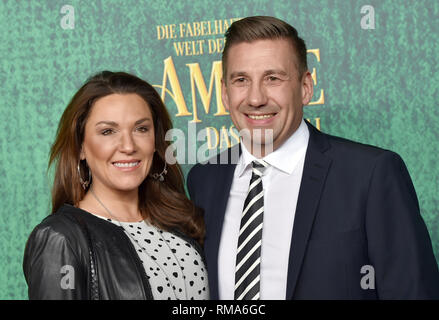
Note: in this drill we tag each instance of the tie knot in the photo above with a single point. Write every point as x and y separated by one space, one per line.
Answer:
259 166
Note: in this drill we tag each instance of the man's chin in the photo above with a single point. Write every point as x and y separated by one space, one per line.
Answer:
257 135
259 147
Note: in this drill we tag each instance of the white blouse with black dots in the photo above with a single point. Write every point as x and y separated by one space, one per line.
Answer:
174 268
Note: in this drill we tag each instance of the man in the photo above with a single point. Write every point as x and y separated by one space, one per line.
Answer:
319 217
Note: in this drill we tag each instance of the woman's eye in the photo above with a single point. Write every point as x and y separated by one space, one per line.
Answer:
143 129
106 132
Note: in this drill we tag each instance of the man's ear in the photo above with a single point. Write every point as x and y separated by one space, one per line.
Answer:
307 88
224 96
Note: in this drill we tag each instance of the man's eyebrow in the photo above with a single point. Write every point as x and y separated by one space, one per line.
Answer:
275 71
266 73
115 124
237 74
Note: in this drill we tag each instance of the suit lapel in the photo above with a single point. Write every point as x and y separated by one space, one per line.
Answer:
216 219
313 179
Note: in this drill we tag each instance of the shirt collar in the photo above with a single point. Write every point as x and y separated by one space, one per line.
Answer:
286 157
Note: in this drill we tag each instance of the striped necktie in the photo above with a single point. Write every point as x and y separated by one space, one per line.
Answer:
248 259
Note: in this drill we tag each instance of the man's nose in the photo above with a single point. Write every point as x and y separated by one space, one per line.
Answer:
257 96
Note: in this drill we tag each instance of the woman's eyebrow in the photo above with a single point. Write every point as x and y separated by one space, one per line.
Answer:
110 123
115 124
142 120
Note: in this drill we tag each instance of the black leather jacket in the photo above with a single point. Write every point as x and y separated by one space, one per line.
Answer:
72 254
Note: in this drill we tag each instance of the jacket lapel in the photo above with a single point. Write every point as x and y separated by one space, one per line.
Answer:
216 218
313 179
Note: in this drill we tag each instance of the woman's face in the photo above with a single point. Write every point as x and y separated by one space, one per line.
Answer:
119 142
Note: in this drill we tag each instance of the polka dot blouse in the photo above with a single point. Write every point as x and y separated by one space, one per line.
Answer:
174 268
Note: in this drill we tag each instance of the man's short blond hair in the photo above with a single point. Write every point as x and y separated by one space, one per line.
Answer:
264 28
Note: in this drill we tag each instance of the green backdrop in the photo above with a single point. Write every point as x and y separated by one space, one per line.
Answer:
377 69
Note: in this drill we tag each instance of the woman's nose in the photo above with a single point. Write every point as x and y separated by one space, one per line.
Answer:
127 143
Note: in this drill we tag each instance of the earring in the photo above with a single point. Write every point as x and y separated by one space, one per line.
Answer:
84 184
160 176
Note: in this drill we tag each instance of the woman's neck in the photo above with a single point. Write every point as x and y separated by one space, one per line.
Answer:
115 205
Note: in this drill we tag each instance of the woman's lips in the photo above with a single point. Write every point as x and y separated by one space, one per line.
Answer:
127 165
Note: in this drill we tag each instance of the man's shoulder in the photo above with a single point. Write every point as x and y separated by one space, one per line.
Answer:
337 147
353 149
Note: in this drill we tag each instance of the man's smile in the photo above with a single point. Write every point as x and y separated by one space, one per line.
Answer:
261 116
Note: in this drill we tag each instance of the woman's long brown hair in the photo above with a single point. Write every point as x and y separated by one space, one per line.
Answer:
163 203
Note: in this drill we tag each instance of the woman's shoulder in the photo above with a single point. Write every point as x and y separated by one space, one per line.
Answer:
58 236
60 223
59 219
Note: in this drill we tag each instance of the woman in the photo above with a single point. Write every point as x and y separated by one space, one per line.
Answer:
121 225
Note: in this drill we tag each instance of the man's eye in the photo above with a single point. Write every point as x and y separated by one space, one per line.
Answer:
240 80
272 78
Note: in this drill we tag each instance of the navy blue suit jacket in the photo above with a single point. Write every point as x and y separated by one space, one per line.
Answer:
357 207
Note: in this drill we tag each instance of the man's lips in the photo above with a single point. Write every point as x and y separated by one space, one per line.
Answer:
260 118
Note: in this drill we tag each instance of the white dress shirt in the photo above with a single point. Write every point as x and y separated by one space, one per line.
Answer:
281 183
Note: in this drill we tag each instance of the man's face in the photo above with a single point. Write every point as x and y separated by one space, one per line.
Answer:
264 90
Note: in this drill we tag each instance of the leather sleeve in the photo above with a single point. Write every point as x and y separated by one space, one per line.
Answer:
399 244
52 268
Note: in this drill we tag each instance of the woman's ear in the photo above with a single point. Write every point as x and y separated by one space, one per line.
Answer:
82 154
